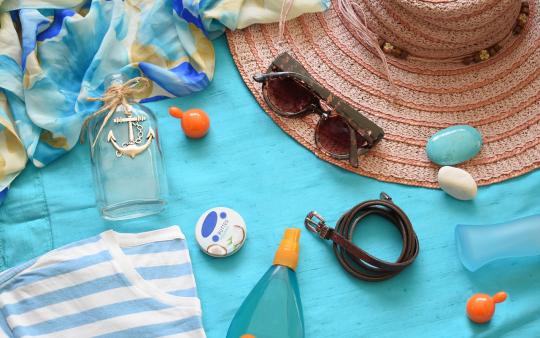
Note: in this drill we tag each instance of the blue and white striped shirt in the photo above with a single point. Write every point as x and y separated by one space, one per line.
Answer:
112 285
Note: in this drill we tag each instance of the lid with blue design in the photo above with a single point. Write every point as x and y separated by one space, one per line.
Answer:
220 232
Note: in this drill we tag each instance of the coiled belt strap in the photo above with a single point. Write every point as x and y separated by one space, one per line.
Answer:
356 261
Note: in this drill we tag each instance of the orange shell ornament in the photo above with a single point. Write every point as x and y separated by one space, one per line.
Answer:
195 122
481 307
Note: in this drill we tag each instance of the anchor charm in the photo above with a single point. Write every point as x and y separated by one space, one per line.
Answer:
131 148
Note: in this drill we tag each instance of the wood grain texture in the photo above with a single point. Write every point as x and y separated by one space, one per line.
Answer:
247 163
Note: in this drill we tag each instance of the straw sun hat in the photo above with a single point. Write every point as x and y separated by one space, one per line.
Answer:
448 62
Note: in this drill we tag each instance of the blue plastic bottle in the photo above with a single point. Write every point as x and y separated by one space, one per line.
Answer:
480 244
273 308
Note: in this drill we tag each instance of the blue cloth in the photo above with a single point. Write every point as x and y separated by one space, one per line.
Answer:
110 285
247 163
55 54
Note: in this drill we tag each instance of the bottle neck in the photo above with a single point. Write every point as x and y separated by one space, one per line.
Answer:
115 79
284 266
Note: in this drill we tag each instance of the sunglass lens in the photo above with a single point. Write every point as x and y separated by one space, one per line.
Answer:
288 96
333 136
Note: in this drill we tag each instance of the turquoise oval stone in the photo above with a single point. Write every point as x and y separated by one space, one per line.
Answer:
454 145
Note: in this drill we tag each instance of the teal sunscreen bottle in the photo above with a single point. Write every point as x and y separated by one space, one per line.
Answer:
273 308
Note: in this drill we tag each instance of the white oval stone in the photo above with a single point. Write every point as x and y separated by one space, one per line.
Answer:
457 183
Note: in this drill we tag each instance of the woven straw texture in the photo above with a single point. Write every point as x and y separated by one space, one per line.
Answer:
500 96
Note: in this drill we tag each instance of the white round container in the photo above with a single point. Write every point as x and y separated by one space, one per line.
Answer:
220 232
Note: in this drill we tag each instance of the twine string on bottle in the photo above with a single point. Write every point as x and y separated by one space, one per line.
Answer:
116 95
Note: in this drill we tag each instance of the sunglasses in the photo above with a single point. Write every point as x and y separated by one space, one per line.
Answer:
342 132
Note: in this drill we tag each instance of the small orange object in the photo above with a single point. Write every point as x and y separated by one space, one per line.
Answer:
195 122
287 252
481 307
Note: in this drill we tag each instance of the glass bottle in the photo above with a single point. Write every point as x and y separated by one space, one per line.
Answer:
127 164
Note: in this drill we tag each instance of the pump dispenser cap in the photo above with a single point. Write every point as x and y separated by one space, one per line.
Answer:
287 253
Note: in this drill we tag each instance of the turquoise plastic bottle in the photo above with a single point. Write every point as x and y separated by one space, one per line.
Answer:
481 244
273 308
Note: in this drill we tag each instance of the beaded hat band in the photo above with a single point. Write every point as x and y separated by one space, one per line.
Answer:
450 62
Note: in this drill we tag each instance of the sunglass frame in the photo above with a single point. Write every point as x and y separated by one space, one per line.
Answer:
285 66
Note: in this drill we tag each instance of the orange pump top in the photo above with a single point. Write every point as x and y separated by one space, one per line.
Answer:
287 253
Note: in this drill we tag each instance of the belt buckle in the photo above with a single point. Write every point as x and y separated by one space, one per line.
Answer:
316 224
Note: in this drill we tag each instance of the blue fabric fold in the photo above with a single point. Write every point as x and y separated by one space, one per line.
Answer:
69 47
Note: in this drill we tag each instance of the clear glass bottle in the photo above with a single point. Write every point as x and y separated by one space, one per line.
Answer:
127 164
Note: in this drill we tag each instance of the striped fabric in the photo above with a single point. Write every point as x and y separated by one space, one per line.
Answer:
111 285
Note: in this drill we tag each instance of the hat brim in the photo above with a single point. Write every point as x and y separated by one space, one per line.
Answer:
500 97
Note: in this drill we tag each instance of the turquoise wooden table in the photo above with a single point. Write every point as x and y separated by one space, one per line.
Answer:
247 163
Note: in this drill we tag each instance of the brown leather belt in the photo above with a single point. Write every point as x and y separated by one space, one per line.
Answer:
356 261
